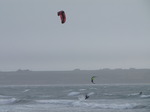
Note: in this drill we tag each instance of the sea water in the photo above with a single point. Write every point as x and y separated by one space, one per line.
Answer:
71 98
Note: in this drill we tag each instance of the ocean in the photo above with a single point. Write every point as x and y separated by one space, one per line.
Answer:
71 98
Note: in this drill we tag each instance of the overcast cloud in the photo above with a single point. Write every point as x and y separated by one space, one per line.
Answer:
97 34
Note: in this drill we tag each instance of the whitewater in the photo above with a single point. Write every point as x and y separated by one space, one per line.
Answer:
71 98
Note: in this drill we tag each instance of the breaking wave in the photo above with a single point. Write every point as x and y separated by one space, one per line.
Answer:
96 105
145 96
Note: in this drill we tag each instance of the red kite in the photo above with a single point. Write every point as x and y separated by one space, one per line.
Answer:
62 16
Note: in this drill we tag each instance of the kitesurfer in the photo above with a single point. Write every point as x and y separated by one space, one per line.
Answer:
86 96
140 93
92 79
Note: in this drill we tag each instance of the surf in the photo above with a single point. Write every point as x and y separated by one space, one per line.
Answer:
92 104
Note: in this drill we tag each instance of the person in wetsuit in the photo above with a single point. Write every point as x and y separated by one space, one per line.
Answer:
140 93
86 96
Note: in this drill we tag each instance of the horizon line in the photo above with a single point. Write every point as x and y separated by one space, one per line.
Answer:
77 69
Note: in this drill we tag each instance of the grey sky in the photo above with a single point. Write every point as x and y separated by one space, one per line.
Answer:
97 34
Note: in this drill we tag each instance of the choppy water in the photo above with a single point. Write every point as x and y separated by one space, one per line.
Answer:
65 98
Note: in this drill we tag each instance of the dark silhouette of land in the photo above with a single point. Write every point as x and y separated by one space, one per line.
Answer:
77 76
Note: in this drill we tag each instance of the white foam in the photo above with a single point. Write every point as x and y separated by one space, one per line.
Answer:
90 104
104 106
73 93
93 88
81 97
26 90
62 102
133 94
145 96
91 93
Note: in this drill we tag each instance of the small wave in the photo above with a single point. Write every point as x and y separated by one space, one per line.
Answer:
73 93
22 101
2 96
145 96
14 101
91 93
133 94
7 101
107 94
69 90
93 88
82 89
26 90
62 102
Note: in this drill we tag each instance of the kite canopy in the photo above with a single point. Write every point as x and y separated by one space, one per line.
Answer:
62 16
92 79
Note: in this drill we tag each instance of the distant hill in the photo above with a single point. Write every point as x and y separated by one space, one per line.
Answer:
77 76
